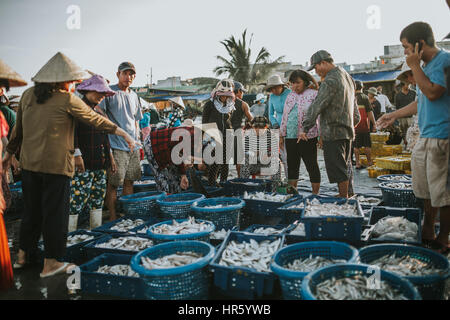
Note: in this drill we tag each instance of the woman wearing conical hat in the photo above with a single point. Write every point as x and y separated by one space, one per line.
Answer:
8 78
44 133
176 117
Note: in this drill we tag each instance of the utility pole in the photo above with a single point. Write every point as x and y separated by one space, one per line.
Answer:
151 77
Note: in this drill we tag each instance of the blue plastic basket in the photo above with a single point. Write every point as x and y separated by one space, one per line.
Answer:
397 197
290 280
242 282
147 170
237 187
411 214
332 227
431 287
290 215
178 206
340 271
283 228
140 204
137 231
92 251
223 218
294 238
199 236
190 282
387 177
106 228
96 283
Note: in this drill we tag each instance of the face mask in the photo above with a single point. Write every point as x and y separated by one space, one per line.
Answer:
72 87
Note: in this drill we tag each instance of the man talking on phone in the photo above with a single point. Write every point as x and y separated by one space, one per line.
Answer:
431 153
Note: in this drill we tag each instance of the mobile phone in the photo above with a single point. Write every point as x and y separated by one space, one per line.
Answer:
420 46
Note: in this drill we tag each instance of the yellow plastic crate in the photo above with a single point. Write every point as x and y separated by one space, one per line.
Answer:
364 162
377 146
393 149
379 136
375 172
394 163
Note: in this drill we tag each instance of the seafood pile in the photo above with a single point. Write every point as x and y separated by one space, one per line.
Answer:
369 201
143 230
297 206
78 238
218 235
186 227
399 185
268 231
316 209
311 263
356 288
250 184
126 225
251 254
118 270
171 261
299 230
144 182
219 206
405 266
395 228
400 178
267 196
126 243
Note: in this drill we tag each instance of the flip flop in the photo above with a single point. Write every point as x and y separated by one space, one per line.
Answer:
17 265
60 270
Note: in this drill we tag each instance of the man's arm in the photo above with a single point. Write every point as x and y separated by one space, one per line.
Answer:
324 97
246 109
389 118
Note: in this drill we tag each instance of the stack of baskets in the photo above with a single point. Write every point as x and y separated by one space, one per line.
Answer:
141 204
178 206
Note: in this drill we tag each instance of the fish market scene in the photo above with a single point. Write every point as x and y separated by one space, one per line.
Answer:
153 151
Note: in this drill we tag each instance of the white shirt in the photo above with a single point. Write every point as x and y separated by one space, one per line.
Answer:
384 101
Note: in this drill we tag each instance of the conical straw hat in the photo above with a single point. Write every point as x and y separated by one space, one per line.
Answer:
60 69
15 80
178 101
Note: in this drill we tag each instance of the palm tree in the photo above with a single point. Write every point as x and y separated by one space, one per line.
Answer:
239 67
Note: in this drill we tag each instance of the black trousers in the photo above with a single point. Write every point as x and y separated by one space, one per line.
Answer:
306 150
46 210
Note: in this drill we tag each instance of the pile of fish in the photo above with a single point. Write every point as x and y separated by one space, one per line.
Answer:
399 185
301 205
126 243
118 270
369 201
126 225
219 206
171 261
143 230
268 231
395 228
299 230
250 184
267 196
312 263
218 235
78 238
406 265
144 182
186 227
401 178
250 254
316 209
356 288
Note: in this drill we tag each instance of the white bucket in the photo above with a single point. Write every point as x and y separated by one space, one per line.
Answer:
73 222
96 218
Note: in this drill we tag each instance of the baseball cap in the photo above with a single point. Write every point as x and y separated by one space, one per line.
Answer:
318 57
359 85
126 66
238 86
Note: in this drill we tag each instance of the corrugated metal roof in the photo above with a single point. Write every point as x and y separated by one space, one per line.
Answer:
377 76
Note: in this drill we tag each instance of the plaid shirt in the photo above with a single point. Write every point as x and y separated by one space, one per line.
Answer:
162 145
93 144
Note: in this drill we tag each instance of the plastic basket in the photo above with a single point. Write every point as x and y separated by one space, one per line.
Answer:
189 282
283 228
288 213
341 271
242 282
394 163
178 206
412 214
388 177
223 218
93 282
431 287
397 197
106 228
377 137
294 238
291 281
237 187
368 206
199 236
92 251
333 227
150 185
140 204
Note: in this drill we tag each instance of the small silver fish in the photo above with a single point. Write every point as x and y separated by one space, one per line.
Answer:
118 270
126 244
315 208
171 261
78 238
311 263
267 196
406 265
186 227
126 225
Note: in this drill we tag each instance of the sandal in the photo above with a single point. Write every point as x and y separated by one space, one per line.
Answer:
61 270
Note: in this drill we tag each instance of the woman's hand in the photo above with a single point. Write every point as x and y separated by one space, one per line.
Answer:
79 164
320 143
184 182
302 136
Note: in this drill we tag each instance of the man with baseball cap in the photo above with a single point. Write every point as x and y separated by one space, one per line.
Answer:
336 105
124 109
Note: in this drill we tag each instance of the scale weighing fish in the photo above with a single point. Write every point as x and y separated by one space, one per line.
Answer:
395 228
78 238
171 261
312 263
267 196
185 227
250 254
126 225
356 288
315 208
126 243
118 270
406 265
399 185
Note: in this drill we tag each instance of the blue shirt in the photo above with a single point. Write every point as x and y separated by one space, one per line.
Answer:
434 116
145 122
276 107
124 110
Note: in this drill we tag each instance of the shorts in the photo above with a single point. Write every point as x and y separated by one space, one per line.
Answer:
128 167
362 140
429 166
404 124
336 154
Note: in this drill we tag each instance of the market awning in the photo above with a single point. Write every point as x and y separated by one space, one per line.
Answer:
377 76
198 97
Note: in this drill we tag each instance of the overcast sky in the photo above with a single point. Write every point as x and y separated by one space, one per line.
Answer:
181 37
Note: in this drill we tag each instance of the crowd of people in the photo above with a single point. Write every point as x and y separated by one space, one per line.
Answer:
76 145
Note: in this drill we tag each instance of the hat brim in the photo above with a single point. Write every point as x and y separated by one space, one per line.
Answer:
125 69
270 86
311 67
